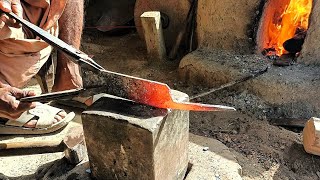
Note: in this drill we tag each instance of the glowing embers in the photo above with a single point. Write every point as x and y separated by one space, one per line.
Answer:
287 29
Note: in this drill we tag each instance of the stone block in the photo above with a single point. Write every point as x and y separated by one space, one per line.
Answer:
126 140
284 89
213 68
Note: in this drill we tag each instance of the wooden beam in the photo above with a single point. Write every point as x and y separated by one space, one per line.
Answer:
311 136
153 35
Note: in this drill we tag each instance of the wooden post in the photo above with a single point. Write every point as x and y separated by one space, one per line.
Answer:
311 136
153 35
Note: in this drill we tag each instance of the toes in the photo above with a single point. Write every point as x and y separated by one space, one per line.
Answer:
89 101
31 124
55 121
62 114
57 118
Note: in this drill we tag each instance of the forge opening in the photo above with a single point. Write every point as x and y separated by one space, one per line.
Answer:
283 28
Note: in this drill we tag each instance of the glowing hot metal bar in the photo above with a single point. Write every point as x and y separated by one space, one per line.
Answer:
143 91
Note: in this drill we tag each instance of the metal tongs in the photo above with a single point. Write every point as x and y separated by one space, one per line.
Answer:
97 80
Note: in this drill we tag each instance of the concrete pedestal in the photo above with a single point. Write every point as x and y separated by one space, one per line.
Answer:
126 140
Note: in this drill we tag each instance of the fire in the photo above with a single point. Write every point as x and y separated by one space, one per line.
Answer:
294 18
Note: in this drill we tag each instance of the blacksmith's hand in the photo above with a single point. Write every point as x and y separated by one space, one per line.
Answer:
10 106
10 6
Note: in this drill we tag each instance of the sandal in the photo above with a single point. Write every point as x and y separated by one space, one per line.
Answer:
43 113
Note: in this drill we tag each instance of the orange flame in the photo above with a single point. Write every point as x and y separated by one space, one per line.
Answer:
284 27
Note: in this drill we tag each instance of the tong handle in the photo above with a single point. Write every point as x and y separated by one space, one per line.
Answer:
68 94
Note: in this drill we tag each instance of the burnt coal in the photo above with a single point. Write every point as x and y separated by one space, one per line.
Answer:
270 53
273 57
294 45
285 60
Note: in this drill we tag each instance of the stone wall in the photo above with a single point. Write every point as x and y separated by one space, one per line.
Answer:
310 51
227 24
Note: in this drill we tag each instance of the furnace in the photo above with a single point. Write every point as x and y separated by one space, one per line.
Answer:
237 38
283 28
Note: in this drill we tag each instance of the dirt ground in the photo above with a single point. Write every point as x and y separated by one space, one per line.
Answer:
264 151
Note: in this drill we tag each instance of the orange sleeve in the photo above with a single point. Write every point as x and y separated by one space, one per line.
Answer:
51 9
